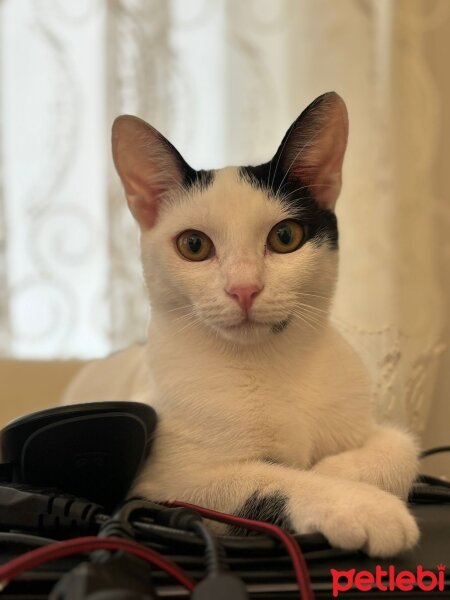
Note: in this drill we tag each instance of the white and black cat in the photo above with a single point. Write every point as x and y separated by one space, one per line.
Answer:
264 409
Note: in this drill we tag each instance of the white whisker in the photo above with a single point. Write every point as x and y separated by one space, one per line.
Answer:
305 320
180 308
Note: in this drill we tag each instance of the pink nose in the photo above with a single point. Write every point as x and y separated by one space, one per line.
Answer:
244 294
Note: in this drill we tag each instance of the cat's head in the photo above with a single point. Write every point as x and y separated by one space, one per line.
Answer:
245 251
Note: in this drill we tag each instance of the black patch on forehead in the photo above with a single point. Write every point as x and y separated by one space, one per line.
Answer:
191 177
201 179
320 224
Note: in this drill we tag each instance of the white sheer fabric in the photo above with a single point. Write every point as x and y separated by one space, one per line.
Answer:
223 80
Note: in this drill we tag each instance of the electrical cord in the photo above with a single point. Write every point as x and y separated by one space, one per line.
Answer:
422 493
23 507
436 450
107 572
184 518
190 520
428 489
214 551
297 558
433 481
39 556
258 545
219 583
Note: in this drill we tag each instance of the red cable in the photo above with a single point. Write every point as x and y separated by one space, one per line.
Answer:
35 558
297 558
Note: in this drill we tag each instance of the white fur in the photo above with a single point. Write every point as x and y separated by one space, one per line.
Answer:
242 409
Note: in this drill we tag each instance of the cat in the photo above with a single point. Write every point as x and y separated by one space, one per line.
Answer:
264 409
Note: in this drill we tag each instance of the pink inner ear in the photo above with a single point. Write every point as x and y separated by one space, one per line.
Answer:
147 166
144 197
325 181
316 151
144 214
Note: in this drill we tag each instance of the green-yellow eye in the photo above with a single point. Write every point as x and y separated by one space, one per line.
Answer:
194 245
286 236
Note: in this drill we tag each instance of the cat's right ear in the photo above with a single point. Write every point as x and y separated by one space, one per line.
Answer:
148 165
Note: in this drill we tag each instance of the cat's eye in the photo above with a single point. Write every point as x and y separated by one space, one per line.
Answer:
286 236
194 245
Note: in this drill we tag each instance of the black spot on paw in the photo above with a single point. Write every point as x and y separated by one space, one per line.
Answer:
269 508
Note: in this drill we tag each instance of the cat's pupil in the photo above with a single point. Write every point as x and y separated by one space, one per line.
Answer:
284 234
194 243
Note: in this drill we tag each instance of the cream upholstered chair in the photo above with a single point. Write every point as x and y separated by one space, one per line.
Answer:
27 386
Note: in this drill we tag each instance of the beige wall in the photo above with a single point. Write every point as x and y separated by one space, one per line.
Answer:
27 386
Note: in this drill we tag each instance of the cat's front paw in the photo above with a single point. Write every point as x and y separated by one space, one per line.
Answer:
355 467
358 517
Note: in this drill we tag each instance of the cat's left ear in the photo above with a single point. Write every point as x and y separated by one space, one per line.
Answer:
148 165
312 151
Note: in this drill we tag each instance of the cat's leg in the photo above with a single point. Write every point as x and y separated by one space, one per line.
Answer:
351 515
388 459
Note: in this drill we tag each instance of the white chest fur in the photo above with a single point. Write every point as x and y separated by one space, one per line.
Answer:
283 404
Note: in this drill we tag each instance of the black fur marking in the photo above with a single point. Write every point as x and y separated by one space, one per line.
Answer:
201 179
191 177
279 327
320 224
270 509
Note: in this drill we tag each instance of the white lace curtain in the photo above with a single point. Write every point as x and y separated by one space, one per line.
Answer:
223 79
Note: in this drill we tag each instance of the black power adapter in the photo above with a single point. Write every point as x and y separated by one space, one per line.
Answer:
92 450
122 577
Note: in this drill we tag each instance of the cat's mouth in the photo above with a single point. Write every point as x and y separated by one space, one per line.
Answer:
248 324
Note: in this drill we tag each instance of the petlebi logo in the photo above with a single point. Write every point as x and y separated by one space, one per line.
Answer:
389 579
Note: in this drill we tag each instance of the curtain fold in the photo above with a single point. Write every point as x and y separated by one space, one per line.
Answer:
137 82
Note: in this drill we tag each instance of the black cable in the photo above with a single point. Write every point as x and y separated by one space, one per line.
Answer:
138 506
190 520
422 493
429 490
433 481
24 507
219 583
214 552
436 450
